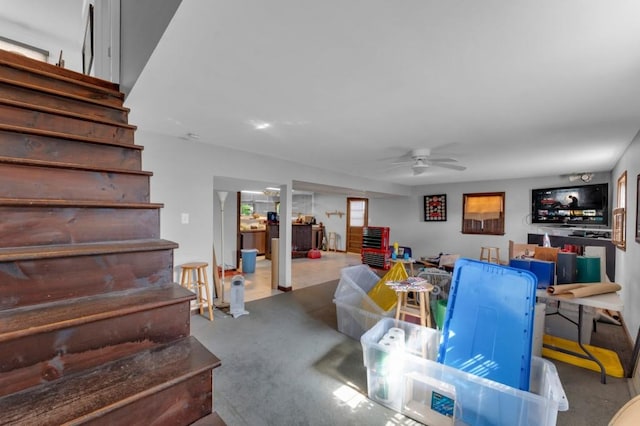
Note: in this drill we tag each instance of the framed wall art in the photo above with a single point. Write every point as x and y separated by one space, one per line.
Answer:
435 208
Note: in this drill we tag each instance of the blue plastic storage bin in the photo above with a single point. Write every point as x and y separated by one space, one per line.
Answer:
545 271
488 327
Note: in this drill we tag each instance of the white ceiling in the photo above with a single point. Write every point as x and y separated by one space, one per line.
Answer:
510 89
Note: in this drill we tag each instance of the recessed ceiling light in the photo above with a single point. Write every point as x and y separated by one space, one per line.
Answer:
259 124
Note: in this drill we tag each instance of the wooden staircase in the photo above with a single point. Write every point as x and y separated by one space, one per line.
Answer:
93 330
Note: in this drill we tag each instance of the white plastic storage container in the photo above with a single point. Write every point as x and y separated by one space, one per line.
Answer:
404 377
355 310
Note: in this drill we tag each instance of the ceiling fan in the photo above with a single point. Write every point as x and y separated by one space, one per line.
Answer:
420 160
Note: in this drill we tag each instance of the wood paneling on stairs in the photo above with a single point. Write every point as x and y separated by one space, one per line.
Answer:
93 329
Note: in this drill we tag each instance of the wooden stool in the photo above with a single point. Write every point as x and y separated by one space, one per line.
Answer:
421 309
195 275
490 254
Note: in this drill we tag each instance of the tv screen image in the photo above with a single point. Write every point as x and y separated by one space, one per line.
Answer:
571 205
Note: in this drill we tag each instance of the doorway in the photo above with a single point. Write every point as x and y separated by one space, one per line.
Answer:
357 219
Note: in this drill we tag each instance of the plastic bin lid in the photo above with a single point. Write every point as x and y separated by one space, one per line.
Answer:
488 326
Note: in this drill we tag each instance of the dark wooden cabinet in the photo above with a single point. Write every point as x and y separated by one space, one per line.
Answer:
317 236
302 238
254 240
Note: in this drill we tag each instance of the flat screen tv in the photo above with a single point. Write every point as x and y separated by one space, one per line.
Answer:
571 205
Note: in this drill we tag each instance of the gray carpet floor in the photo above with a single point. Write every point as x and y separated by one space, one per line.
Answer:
285 363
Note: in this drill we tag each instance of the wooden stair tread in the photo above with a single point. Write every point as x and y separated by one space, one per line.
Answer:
24 321
38 202
37 67
212 419
11 254
61 94
41 163
69 136
87 396
59 112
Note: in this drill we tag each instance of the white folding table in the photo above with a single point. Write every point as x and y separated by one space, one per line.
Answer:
609 301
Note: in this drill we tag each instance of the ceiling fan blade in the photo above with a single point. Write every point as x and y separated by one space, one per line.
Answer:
401 157
402 163
442 160
449 166
393 167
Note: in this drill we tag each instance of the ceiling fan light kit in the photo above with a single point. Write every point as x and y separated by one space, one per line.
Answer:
419 167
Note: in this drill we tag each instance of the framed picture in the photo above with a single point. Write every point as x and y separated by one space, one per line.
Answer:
637 208
618 237
435 208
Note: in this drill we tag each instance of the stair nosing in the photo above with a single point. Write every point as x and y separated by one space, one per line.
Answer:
69 114
111 92
58 165
39 202
101 411
12 254
68 136
134 362
77 317
61 94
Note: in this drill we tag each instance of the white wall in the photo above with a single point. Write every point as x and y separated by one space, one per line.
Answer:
627 264
143 23
46 26
187 174
405 216
323 203
184 181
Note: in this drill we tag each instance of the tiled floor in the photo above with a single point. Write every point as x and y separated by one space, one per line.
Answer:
304 273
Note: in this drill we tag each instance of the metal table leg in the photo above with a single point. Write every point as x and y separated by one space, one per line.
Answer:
586 355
